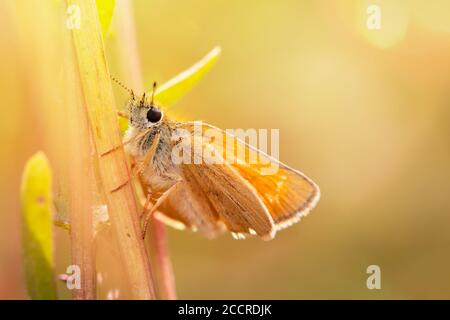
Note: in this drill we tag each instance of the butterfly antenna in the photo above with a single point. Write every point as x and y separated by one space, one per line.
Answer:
123 86
143 99
153 92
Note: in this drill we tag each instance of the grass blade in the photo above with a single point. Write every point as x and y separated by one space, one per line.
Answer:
171 91
105 10
157 238
113 170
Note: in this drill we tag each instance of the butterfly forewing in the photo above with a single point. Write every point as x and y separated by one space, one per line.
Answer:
287 193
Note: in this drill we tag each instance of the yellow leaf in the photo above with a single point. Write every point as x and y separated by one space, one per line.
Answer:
37 240
105 9
171 91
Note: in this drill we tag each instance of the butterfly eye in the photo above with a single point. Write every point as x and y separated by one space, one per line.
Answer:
154 115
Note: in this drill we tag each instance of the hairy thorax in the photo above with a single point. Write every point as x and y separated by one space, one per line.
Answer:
161 173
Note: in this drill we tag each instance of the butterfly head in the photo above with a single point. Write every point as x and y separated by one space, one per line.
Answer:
144 114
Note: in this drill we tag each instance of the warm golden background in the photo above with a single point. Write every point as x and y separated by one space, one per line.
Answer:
366 114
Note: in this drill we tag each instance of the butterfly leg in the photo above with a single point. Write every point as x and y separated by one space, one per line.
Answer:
124 143
123 115
149 156
157 204
141 168
146 205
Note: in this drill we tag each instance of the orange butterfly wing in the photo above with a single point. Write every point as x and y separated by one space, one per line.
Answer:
287 193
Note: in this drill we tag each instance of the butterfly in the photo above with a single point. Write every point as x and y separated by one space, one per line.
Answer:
221 183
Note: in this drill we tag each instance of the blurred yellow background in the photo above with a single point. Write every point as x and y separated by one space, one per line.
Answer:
364 113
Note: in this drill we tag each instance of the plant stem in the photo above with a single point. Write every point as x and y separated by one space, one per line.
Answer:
113 168
158 240
130 63
80 191
127 45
